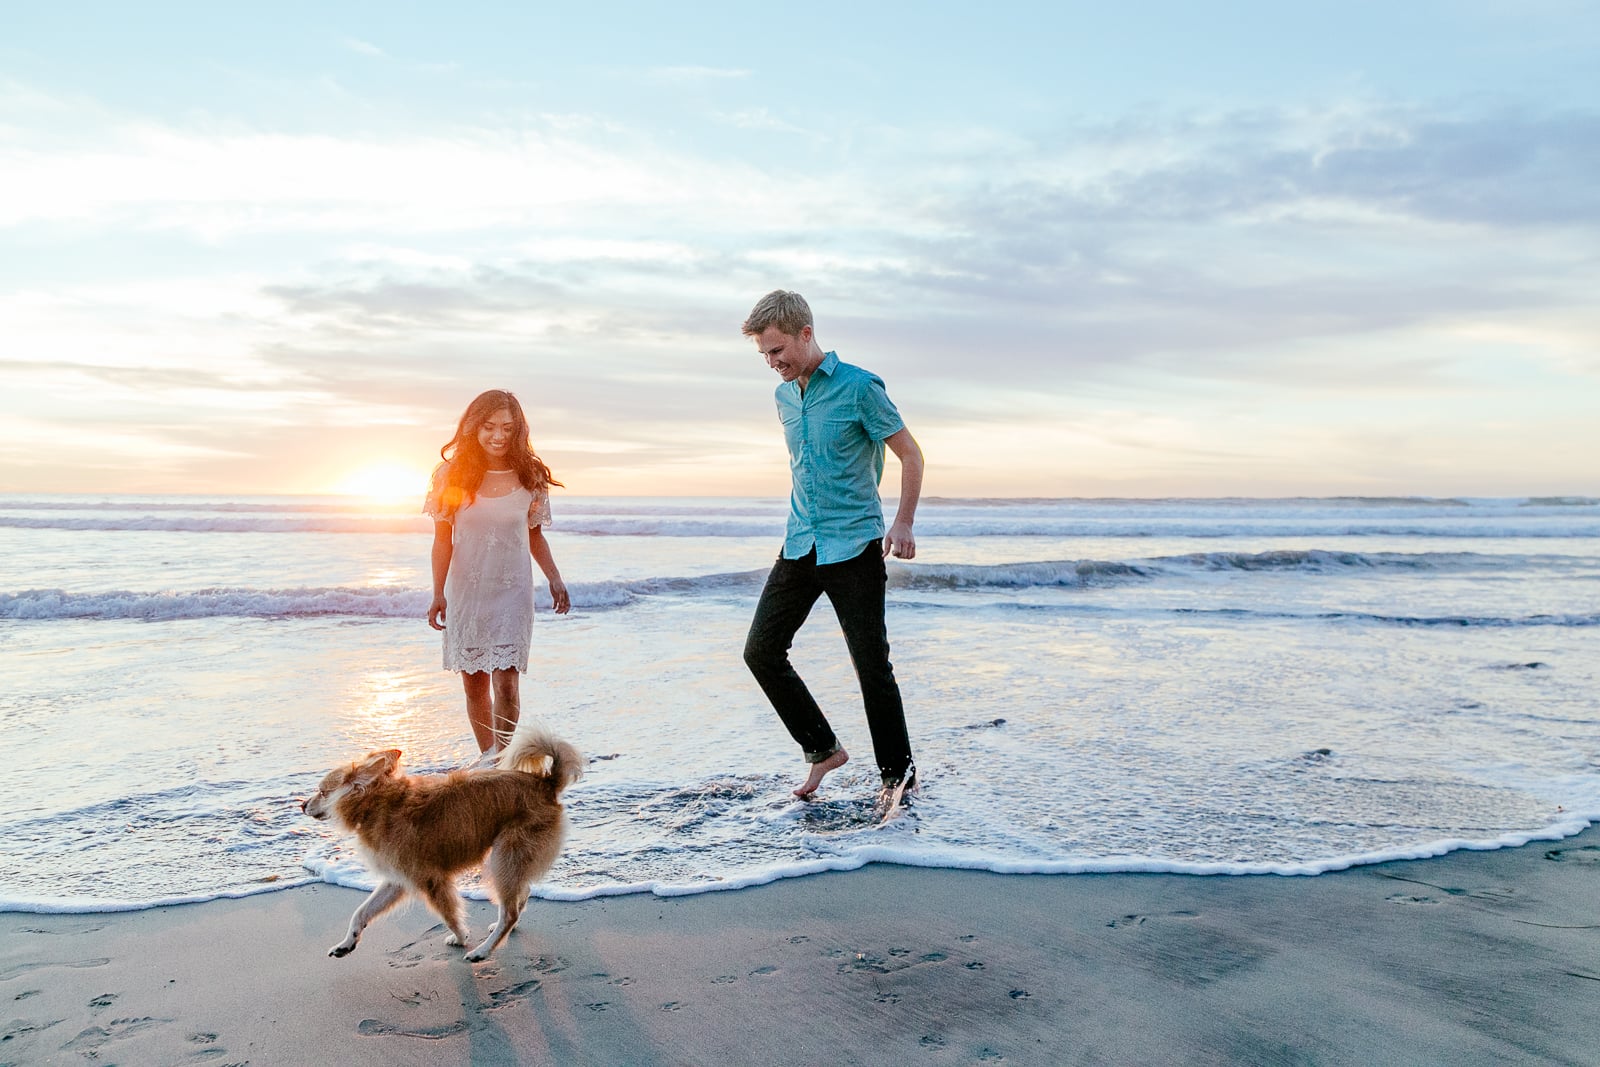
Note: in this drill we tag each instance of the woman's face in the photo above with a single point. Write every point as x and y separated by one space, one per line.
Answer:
494 434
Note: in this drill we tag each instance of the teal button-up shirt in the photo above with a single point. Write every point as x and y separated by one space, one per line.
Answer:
835 432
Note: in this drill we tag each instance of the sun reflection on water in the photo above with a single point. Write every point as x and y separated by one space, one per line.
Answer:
387 709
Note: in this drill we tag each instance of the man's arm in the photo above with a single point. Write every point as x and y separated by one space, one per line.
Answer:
899 540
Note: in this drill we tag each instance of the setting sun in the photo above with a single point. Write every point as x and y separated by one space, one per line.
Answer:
385 481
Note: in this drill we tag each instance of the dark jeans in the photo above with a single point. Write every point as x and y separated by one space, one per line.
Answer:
855 588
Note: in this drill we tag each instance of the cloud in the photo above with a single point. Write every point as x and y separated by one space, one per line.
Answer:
1156 266
142 176
365 48
759 118
1506 168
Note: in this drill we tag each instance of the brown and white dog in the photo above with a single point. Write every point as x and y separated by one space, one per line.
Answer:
418 833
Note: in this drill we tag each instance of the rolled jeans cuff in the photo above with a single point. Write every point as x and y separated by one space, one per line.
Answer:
818 757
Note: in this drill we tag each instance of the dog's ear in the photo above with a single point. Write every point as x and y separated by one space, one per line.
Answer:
378 764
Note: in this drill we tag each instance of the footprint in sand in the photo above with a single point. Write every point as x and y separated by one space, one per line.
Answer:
17 972
1495 892
864 962
724 979
69 931
95 1036
764 970
672 1005
1581 854
209 1051
1020 994
1407 898
103 1001
22 1028
550 965
502 998
798 939
377 1028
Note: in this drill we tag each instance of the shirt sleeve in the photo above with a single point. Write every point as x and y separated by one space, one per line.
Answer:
539 509
433 504
877 412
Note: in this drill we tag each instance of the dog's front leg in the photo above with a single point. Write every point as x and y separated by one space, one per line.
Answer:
382 899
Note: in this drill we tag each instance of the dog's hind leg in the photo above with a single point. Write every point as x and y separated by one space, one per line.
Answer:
510 911
382 899
441 896
508 872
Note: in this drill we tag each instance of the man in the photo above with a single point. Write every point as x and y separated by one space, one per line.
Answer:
836 420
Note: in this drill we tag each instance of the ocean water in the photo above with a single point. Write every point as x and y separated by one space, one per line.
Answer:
1210 686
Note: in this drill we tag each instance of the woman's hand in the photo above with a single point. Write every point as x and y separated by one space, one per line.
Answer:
436 612
559 597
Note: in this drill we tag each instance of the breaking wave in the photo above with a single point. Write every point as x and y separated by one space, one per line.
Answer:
402 602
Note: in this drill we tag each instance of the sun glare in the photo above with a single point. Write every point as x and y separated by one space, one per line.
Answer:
384 481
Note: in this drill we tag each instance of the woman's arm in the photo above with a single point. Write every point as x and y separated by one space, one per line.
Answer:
547 563
443 549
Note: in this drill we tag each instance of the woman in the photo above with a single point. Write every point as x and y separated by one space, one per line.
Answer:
490 502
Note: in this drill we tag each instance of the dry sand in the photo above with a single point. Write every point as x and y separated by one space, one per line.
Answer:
1475 957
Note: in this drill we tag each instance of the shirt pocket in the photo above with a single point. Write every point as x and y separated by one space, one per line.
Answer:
841 443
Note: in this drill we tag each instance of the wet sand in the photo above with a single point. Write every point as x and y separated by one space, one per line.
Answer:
1474 957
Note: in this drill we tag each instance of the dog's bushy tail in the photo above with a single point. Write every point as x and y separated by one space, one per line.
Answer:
536 751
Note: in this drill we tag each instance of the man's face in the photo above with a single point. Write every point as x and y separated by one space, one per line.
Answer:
790 355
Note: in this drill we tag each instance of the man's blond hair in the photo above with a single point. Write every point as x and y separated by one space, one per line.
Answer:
786 310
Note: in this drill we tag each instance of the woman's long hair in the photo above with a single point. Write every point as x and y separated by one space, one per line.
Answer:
466 462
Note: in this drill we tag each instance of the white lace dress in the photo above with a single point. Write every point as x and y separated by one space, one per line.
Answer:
488 590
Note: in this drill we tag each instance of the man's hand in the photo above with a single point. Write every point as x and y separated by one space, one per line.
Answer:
899 543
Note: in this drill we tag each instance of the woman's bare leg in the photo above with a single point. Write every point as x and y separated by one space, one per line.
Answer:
480 707
507 704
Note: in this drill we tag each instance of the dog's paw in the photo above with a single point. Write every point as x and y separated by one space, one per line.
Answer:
452 939
341 950
477 955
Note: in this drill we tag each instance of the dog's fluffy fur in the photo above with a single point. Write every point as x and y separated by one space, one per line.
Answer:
418 833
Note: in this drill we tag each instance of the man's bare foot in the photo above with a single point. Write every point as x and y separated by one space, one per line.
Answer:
894 790
818 770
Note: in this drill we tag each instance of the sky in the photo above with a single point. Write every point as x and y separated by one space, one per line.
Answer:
1166 249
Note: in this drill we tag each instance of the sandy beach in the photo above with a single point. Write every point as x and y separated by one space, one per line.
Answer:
1473 957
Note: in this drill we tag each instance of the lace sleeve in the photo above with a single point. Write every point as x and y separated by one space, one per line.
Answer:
433 504
539 509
